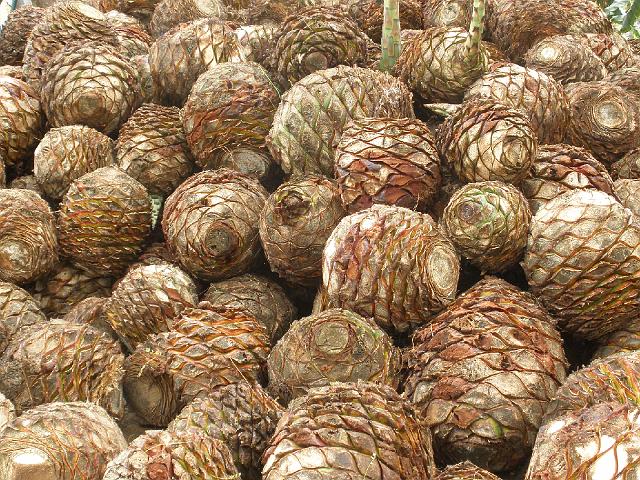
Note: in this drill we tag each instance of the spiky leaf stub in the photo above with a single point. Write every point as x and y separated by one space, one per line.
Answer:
387 161
465 471
597 442
230 105
18 309
628 192
560 168
482 372
392 264
539 96
583 262
210 223
295 224
628 166
333 346
488 140
314 112
74 440
337 430
28 239
15 33
488 223
241 415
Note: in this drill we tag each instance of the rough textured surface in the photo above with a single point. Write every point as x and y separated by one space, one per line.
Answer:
91 311
392 264
628 166
332 346
256 162
369 15
170 13
262 298
240 415
482 372
15 33
446 13
28 240
628 192
210 223
115 222
18 309
26 182
133 38
488 223
627 78
613 49
67 441
313 114
626 339
465 471
350 432
7 412
387 161
148 88
295 224
583 262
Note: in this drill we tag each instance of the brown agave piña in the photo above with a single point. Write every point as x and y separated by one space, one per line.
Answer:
15 33
18 309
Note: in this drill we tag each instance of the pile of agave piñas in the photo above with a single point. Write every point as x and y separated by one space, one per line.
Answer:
233 248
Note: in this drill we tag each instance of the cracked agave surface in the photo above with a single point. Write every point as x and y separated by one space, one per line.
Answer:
482 372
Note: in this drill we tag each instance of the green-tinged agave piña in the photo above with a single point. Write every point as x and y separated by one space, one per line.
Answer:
147 300
317 38
91 311
560 168
7 411
261 297
18 309
488 223
66 153
15 33
446 13
152 149
207 347
115 221
210 223
605 119
565 59
387 161
256 162
332 346
597 442
26 182
92 85
241 415
465 471
443 62
60 361
171 13
22 120
628 166
61 440
230 105
132 37
313 114
482 372
28 240
539 96
64 23
486 139
369 15
337 430
583 262
392 264
613 49
628 192
173 455
181 55
294 226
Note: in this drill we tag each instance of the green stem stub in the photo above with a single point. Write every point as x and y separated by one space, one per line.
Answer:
390 35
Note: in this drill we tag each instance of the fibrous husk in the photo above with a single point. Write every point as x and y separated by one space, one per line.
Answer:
332 346
628 166
627 78
387 161
337 430
92 85
482 372
28 240
155 254
60 361
626 339
173 455
230 105
446 13
560 168
91 311
148 88
241 415
147 300
26 182
583 262
256 162
60 441
115 221
613 49
140 9
21 118
597 442
152 148
255 43
133 39
392 264
15 33
210 223
566 59
486 140
539 96
295 224
369 15
181 55
65 154
18 309
314 112
465 471
262 298
170 13
605 119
